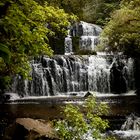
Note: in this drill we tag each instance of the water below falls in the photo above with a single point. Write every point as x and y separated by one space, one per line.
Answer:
63 75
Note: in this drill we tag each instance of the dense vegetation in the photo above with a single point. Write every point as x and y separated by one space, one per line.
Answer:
123 30
99 11
25 28
93 11
78 124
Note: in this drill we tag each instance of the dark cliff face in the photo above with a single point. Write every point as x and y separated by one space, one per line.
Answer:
137 74
118 78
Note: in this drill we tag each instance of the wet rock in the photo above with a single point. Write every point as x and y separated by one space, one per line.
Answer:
4 98
30 129
88 94
132 123
138 91
73 94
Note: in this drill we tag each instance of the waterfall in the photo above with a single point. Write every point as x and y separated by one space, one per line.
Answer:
99 74
63 75
132 123
130 130
68 44
70 74
88 42
88 36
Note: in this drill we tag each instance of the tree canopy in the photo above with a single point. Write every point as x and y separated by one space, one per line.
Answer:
93 11
25 27
99 11
123 30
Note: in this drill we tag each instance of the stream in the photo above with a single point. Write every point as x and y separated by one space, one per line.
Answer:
62 79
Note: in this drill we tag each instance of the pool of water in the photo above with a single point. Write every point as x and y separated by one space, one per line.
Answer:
49 108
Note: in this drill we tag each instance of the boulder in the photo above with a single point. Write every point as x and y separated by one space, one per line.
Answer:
30 129
88 94
5 97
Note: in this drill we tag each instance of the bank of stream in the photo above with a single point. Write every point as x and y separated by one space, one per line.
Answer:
51 108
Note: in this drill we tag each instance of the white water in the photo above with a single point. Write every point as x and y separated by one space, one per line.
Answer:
15 96
88 42
128 135
68 45
66 74
99 73
88 34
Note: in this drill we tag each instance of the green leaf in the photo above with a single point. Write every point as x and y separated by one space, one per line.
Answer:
5 53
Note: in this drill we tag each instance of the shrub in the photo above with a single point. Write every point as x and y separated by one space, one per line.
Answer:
78 122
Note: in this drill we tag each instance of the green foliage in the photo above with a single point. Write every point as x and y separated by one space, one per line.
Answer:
123 29
100 48
111 138
94 11
70 6
103 44
76 123
99 11
4 83
25 29
5 53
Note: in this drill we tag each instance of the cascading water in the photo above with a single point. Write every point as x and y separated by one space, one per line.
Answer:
68 44
88 33
62 75
65 74
130 130
90 36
